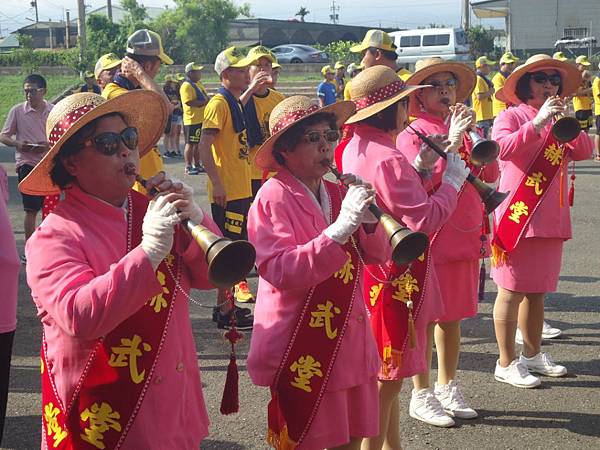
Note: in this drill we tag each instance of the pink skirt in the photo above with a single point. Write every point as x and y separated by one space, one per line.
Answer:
459 282
344 414
533 266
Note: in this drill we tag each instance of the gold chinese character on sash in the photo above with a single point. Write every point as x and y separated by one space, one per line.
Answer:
534 180
127 355
405 286
159 302
169 260
322 318
101 418
518 209
553 154
345 273
41 365
53 429
374 293
422 257
306 367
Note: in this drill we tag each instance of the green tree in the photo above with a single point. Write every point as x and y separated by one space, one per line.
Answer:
481 41
136 17
340 51
302 13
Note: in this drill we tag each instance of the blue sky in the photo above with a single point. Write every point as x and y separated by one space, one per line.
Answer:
386 13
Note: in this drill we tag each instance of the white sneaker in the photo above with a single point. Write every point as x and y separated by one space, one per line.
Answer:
519 337
516 374
542 363
452 400
424 406
549 332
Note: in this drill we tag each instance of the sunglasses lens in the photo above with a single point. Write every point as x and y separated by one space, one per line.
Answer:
539 77
332 135
554 80
313 137
130 138
108 143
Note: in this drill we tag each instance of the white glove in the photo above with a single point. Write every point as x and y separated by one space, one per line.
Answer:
426 158
460 122
191 211
157 238
456 171
354 205
551 107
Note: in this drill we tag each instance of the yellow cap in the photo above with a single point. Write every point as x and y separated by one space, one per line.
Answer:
190 67
261 51
339 65
88 74
484 61
179 76
583 60
375 38
231 57
560 56
106 62
276 65
147 43
508 58
326 69
169 77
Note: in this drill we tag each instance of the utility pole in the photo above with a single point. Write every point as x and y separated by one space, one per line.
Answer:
334 16
81 28
109 9
466 15
68 30
34 5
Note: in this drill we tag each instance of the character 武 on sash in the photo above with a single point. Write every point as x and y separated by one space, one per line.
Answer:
109 273
404 301
311 343
532 224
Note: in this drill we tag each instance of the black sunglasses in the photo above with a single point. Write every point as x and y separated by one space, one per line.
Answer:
108 143
542 77
314 137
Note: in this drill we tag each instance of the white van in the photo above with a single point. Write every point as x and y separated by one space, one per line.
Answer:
447 43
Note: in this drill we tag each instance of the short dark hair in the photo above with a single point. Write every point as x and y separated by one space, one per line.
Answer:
36 79
387 54
523 90
385 120
59 174
143 58
289 139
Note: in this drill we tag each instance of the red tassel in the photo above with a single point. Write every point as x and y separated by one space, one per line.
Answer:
572 190
230 403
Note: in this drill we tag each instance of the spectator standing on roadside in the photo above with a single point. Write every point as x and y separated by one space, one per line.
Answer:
89 85
353 70
25 129
275 75
193 99
582 100
481 97
507 65
326 91
106 67
340 81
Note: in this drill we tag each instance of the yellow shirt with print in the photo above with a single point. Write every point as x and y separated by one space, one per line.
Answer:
347 90
582 102
229 149
596 95
192 115
483 108
498 82
264 106
151 163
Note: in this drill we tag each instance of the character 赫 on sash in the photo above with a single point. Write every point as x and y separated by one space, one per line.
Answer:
532 224
404 301
109 271
461 242
311 342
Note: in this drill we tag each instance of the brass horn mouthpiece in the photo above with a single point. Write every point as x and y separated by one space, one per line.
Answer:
406 245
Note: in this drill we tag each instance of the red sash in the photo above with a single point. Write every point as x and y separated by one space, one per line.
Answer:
528 196
310 355
118 370
347 133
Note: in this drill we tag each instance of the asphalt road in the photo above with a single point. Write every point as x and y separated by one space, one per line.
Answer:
563 414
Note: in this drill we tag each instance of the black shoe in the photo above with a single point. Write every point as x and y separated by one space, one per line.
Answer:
243 322
240 311
200 169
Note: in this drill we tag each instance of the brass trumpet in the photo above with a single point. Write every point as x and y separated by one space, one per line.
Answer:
490 197
484 150
406 245
565 128
228 261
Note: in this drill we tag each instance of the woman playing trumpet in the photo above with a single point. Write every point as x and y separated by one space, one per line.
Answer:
532 224
459 243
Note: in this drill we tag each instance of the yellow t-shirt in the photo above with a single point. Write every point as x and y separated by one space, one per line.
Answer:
192 115
582 102
230 150
498 106
264 106
404 74
151 163
483 108
596 95
347 90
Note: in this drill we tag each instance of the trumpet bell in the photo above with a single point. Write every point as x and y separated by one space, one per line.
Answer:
566 129
484 150
406 245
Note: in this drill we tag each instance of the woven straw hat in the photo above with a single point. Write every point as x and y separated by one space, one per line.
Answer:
289 112
571 78
376 88
142 109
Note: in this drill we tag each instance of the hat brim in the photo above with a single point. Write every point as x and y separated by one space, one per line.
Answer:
133 105
586 63
256 57
379 106
196 69
264 158
112 65
165 58
465 76
244 62
362 47
571 78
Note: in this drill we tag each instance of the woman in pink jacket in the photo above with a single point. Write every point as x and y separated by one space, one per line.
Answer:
109 272
532 224
459 244
311 342
403 301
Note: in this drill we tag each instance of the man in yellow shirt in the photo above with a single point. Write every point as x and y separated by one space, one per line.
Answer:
193 99
582 100
404 73
144 56
224 152
340 81
507 65
353 70
106 67
377 49
596 96
482 95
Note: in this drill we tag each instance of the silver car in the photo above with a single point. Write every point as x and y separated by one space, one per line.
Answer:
297 54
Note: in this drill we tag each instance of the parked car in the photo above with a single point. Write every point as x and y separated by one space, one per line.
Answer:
448 43
297 54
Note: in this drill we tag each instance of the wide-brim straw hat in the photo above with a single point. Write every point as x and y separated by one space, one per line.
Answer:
288 113
142 109
571 77
376 88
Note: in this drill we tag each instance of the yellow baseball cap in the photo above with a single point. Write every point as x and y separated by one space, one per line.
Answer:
508 58
583 60
106 62
179 76
484 61
339 65
560 56
326 69
231 57
261 51
147 43
190 67
276 65
375 38
353 67
88 74
169 77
